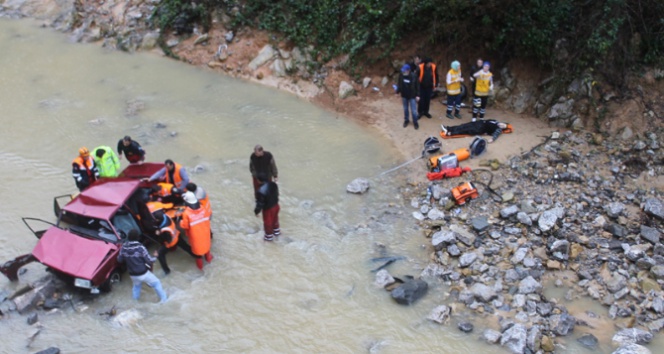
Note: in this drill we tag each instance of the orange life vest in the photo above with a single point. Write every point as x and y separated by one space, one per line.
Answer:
86 165
165 188
433 73
176 176
197 225
156 206
175 233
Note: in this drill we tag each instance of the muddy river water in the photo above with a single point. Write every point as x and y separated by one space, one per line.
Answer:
309 292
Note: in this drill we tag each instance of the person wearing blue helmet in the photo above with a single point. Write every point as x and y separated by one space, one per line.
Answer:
409 88
454 80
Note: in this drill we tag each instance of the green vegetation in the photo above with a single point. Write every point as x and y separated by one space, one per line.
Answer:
563 35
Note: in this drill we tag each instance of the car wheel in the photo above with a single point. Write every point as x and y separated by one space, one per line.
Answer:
114 278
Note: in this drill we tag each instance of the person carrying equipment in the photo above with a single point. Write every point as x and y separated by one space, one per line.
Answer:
483 86
84 169
454 80
480 127
107 161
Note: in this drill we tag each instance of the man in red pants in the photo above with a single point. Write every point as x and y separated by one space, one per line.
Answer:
267 201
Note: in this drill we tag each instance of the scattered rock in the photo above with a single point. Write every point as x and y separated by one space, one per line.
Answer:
383 278
358 186
482 292
514 338
562 324
509 211
32 319
440 314
467 259
127 318
202 38
366 82
465 327
410 291
547 344
442 238
264 55
229 36
632 349
435 214
632 335
491 336
560 250
480 223
613 210
51 350
650 234
654 207
529 285
588 341
547 220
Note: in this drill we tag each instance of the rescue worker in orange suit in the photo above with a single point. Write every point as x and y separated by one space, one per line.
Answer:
131 149
166 193
172 173
267 202
428 76
195 222
262 161
165 230
84 169
201 195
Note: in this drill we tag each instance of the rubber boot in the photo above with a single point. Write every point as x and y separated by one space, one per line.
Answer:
208 257
199 263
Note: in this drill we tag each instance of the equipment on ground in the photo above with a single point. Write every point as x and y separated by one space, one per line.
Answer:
464 192
431 145
477 147
448 173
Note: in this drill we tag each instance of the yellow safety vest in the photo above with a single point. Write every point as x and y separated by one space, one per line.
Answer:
483 83
455 87
108 165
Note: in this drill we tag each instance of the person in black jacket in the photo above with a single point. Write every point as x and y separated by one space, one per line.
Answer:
480 127
138 262
131 149
267 201
428 78
409 88
473 69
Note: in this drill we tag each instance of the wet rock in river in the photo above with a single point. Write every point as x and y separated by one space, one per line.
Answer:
562 324
632 335
32 319
588 341
440 314
383 278
632 349
127 318
492 336
465 327
410 291
358 186
51 350
514 338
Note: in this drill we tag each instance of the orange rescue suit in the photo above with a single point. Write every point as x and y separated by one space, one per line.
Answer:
176 176
197 225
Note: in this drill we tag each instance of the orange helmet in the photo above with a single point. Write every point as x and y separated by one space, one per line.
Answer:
84 152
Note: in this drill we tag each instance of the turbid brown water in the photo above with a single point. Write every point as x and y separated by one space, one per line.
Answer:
309 292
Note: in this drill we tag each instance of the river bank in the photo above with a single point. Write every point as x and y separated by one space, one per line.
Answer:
472 244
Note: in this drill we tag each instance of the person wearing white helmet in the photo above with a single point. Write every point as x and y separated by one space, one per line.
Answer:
454 80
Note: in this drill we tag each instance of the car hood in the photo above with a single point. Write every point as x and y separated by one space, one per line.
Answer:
71 254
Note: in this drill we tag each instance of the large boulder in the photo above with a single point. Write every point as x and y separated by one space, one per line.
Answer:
358 186
410 291
514 338
266 54
632 335
345 89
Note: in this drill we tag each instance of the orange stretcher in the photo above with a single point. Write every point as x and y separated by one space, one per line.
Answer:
507 130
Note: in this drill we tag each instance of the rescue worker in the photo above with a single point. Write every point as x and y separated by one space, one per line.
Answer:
483 87
409 88
195 222
166 231
138 262
107 162
166 193
84 169
131 149
480 127
267 202
428 78
454 80
473 69
262 161
172 173
201 195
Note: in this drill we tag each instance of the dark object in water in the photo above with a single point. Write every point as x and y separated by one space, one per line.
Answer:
387 260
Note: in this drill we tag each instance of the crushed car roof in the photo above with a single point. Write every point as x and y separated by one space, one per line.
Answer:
102 199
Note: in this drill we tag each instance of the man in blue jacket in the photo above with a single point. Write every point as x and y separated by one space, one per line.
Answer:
139 261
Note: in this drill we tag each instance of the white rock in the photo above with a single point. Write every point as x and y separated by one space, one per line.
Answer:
345 89
265 55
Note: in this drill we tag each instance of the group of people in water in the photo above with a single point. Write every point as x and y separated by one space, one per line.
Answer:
174 206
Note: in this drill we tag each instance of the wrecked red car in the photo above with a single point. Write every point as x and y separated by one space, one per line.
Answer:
84 243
